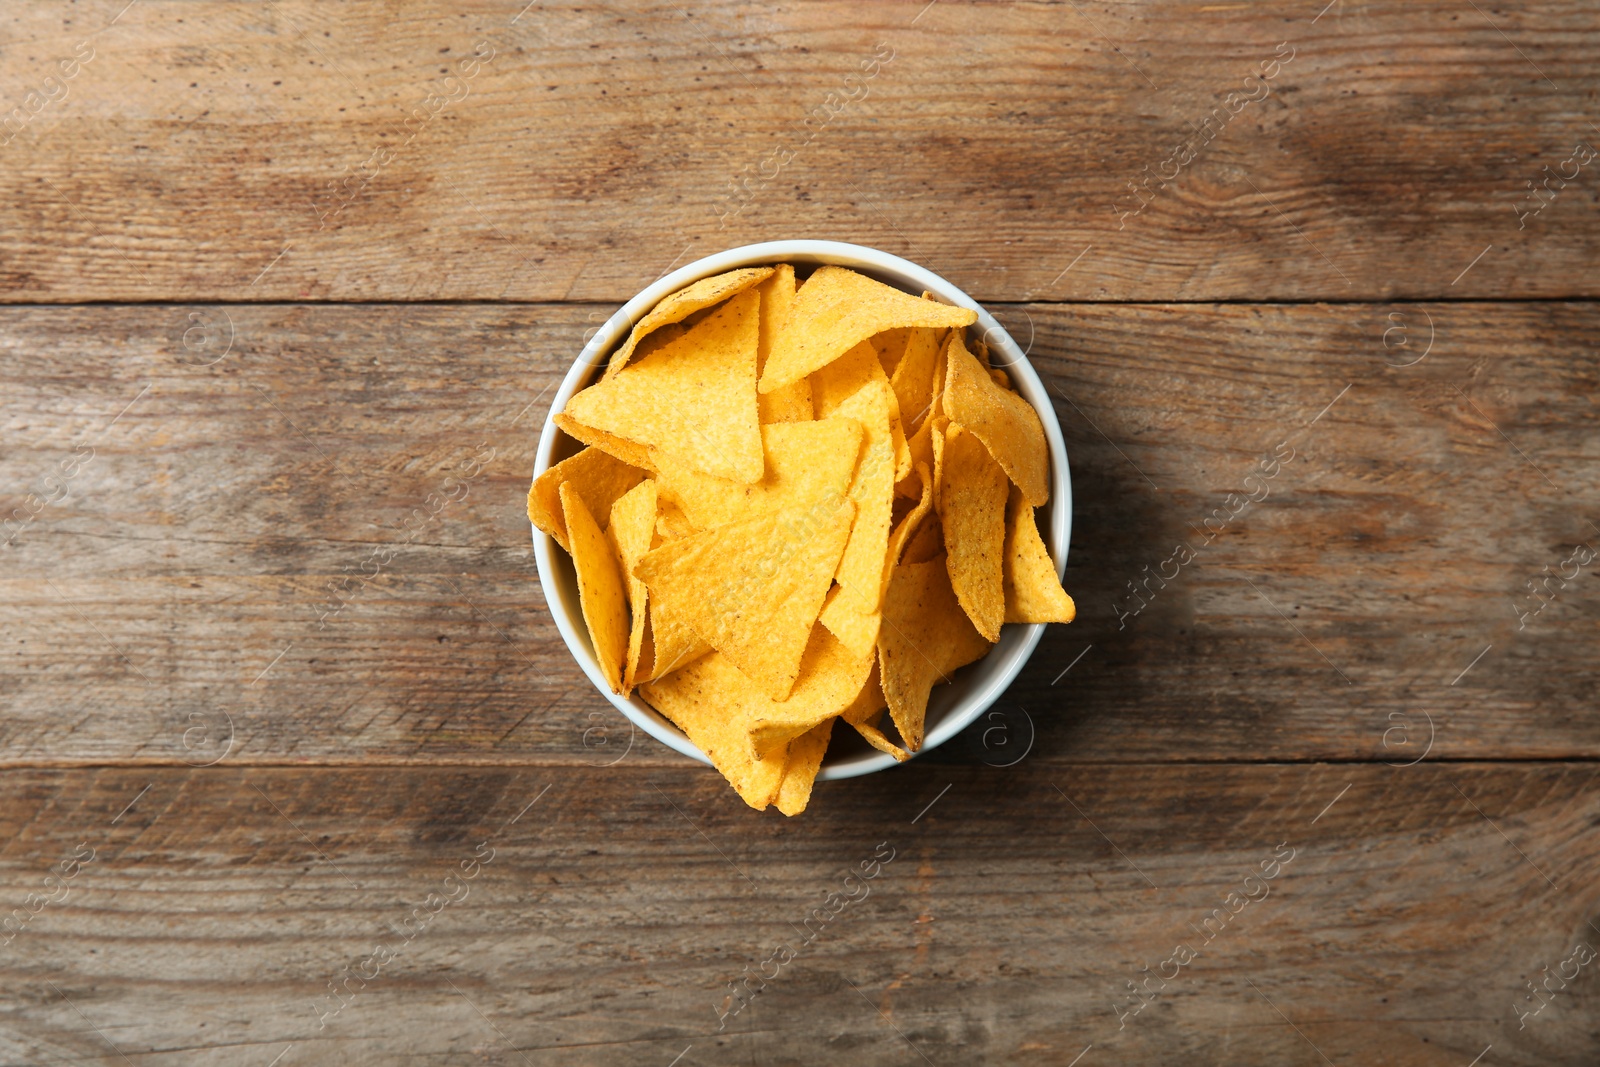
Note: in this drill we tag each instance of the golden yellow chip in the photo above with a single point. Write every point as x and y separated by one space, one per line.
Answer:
835 310
972 511
673 644
805 760
865 713
917 376
1033 594
844 378
891 347
695 698
1006 424
856 630
927 543
925 637
629 452
685 302
792 403
598 477
901 535
600 588
805 462
693 399
752 589
630 533
830 678
861 568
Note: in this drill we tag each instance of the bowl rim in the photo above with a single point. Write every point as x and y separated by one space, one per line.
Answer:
1015 647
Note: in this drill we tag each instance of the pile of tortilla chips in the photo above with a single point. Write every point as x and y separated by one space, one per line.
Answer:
798 505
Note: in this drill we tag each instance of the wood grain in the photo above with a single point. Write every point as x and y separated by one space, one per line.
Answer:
170 606
263 152
608 919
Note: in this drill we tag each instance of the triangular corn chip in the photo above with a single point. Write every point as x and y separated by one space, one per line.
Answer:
830 678
844 378
1006 424
856 630
629 452
925 637
872 488
805 760
600 589
752 589
972 512
693 399
792 403
1033 594
631 531
685 302
891 347
910 523
917 375
866 711
805 462
874 736
835 310
696 699
673 644
599 478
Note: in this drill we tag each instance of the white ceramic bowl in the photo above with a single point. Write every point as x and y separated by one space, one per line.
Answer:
953 706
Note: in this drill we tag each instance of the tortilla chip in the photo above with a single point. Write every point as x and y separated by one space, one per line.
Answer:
910 523
601 593
856 630
925 637
891 347
1033 593
830 678
599 478
919 449
685 302
971 506
692 400
835 310
927 543
861 568
629 452
842 379
752 589
1000 378
1006 424
631 531
671 522
866 712
673 644
805 462
792 403
914 378
695 699
805 760
660 339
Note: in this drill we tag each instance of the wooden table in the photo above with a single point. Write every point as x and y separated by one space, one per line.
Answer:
274 271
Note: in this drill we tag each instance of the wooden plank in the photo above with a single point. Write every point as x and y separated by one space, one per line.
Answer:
1406 912
297 150
169 605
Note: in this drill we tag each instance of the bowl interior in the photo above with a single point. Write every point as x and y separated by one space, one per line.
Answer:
951 707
